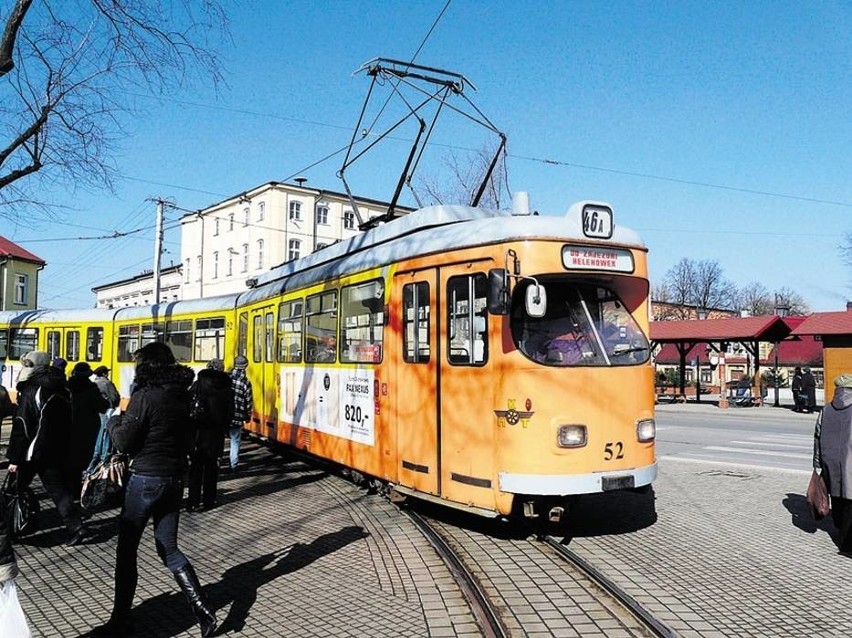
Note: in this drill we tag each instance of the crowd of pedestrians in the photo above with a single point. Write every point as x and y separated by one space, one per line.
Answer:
174 424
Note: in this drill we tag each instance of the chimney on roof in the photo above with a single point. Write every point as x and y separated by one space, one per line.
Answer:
849 306
300 180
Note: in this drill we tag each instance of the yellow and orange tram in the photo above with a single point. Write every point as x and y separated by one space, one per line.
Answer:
488 360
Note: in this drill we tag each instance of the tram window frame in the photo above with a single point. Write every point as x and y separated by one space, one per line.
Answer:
21 341
178 336
151 333
319 308
53 343
4 343
207 330
467 321
269 330
362 322
94 344
129 341
291 323
416 322
242 334
257 341
72 345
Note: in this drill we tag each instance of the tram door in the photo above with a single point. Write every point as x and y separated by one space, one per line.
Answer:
261 370
416 293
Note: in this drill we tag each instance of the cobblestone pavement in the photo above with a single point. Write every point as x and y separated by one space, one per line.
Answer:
731 552
290 551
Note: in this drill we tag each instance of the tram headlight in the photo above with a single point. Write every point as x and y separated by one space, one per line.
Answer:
573 435
646 430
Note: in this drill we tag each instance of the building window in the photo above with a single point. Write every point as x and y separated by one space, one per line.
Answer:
245 258
216 264
20 289
348 219
231 221
216 227
231 253
198 278
260 253
296 210
261 211
186 272
294 246
245 217
322 215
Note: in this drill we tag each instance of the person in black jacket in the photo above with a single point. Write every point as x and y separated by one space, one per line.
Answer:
157 433
214 405
42 432
87 403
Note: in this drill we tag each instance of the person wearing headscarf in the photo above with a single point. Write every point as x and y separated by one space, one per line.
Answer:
42 433
156 432
214 404
833 456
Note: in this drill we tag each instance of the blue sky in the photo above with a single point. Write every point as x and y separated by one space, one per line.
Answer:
718 130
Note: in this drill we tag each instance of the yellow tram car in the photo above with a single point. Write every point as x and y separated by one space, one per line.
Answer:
493 361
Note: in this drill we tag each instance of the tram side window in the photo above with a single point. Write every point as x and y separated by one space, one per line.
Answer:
94 344
467 320
54 342
362 319
22 340
209 339
242 334
290 331
151 332
4 343
72 345
257 346
321 328
415 323
179 338
128 342
270 337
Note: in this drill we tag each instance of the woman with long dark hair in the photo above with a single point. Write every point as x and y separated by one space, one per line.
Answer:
157 433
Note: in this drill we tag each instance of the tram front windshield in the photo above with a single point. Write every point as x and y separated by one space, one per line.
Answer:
584 325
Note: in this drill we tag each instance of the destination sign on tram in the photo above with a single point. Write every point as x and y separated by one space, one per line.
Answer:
575 257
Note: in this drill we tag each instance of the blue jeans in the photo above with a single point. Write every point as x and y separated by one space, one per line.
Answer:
236 434
103 444
145 497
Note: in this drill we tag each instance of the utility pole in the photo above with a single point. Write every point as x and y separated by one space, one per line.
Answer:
158 250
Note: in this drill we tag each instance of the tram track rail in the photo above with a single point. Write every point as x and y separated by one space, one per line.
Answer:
481 607
648 620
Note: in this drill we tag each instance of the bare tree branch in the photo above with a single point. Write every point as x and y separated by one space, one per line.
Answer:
10 34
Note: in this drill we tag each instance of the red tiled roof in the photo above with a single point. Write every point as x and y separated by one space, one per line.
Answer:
763 328
826 323
9 248
805 351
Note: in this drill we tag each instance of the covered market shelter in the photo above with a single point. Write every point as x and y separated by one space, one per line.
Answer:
834 329
718 333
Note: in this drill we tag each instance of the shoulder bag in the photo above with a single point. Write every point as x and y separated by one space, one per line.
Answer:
20 507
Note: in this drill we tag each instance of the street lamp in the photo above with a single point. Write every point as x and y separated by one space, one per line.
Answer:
780 311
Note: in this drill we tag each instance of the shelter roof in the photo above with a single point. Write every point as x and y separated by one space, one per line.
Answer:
9 248
805 351
763 328
826 323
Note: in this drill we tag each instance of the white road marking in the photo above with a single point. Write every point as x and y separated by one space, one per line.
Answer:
749 466
791 455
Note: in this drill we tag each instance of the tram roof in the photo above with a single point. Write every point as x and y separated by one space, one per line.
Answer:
166 310
761 328
80 315
426 231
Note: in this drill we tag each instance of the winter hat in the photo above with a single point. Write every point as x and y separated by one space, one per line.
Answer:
216 364
30 361
241 363
59 363
101 371
82 369
843 381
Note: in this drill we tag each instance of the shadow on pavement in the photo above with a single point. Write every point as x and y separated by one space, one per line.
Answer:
800 513
611 513
238 587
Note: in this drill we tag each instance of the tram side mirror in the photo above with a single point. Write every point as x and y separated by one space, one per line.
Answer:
536 300
498 291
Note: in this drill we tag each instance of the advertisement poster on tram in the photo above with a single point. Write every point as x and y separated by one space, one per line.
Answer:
329 400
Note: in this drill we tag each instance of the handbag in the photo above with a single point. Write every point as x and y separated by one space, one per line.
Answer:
20 507
103 486
817 497
13 623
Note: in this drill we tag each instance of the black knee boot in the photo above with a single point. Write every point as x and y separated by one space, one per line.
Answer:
188 582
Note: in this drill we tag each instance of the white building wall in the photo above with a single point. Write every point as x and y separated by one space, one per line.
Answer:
139 291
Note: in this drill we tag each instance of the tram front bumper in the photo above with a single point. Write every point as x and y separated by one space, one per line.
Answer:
565 484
